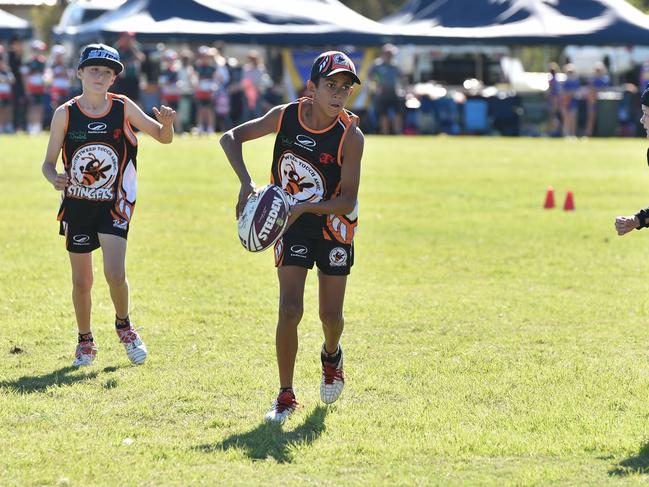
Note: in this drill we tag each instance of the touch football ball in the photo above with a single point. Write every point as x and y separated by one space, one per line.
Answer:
264 218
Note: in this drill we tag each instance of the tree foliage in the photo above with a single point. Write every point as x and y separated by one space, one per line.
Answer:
375 9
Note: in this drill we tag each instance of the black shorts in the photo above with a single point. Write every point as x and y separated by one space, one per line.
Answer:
332 258
388 102
81 224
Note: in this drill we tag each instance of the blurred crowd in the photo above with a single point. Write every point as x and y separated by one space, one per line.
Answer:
209 92
212 92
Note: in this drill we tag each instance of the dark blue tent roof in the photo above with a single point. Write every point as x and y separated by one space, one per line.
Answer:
285 22
585 22
10 25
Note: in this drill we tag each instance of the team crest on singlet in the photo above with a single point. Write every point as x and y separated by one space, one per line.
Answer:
93 170
301 180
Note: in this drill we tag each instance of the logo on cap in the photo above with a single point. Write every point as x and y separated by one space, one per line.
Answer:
341 62
102 54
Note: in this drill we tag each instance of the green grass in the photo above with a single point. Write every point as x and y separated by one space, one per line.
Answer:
488 342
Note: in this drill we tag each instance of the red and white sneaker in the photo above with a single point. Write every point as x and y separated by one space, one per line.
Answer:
135 347
282 408
333 378
85 353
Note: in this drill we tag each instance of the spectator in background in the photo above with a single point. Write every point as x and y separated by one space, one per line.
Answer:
34 80
596 84
19 99
643 82
128 82
7 81
254 81
385 79
186 80
60 77
206 84
221 96
169 83
570 101
554 100
235 91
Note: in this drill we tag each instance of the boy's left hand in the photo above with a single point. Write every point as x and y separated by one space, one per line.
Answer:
166 115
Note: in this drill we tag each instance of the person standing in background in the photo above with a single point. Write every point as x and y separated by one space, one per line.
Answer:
221 96
169 83
128 82
186 82
385 79
643 81
206 84
570 101
7 81
60 76
234 91
34 80
254 81
596 84
554 100
19 100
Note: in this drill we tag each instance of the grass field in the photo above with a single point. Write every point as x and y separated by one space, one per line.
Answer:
488 342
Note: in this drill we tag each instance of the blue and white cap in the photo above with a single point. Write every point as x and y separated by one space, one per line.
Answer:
100 55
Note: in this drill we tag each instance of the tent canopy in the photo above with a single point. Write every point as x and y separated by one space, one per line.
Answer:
10 25
585 22
281 23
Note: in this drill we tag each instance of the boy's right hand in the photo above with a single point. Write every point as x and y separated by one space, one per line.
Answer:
60 181
244 193
625 224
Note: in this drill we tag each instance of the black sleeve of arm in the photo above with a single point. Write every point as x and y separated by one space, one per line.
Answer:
643 216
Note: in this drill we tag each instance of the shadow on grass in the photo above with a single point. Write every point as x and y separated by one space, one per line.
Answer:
638 464
30 384
270 440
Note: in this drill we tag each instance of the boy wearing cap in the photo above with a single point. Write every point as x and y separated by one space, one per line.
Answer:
624 224
93 133
317 161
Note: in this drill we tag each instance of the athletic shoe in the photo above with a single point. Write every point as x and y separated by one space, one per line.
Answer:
85 353
282 408
333 378
135 347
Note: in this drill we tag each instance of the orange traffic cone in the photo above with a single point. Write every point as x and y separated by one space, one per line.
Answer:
569 205
549 198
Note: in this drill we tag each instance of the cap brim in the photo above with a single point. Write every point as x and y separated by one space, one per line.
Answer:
343 70
109 63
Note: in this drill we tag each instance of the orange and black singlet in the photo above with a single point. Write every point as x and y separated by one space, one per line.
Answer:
99 154
307 165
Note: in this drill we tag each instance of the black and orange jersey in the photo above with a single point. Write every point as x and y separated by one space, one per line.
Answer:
307 165
99 155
